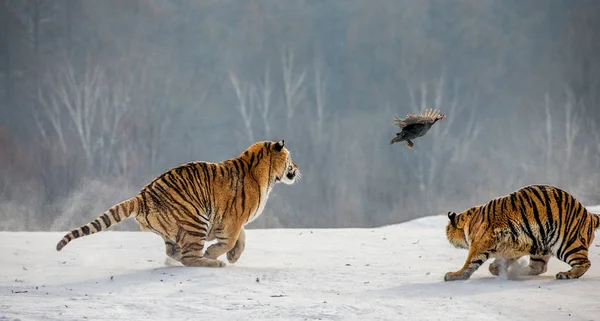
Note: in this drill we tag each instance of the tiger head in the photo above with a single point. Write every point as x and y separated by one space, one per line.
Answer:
457 230
274 161
286 171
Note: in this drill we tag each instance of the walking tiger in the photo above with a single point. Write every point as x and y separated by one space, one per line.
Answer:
537 220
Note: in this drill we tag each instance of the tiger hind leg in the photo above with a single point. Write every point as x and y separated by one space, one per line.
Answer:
578 261
538 264
172 250
191 251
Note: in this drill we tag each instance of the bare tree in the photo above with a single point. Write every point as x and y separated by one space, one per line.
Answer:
572 125
548 136
264 97
320 92
293 84
254 98
445 149
245 95
88 105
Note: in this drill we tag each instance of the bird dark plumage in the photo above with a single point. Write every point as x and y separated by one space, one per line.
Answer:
414 126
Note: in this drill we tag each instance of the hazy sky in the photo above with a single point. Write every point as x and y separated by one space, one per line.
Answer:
98 98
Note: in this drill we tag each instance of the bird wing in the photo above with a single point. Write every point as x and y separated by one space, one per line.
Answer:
426 117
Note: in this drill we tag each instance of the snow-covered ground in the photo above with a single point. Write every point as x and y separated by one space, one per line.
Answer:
392 273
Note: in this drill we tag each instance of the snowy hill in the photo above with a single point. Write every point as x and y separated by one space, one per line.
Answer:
390 273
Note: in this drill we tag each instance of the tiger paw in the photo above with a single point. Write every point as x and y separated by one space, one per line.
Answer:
214 263
454 276
494 269
202 262
233 255
565 276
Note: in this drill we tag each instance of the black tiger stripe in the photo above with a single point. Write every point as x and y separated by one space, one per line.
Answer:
213 169
196 234
576 261
96 224
513 201
113 215
596 220
105 219
573 251
549 214
230 172
525 222
237 167
243 195
259 200
559 207
538 221
569 230
513 231
193 225
251 160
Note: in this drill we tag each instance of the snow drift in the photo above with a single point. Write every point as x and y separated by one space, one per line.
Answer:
389 273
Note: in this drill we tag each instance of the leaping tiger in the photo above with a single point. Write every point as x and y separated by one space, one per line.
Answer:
200 201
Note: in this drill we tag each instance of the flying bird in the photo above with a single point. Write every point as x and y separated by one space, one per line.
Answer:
414 126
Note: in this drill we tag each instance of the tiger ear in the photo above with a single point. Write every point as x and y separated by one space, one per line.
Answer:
452 217
279 145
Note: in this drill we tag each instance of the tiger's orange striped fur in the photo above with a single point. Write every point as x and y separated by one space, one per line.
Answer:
200 201
537 220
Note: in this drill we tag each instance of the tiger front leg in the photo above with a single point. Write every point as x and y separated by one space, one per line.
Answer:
234 254
500 266
478 254
538 264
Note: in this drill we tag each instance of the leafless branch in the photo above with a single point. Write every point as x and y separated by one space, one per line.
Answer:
244 95
572 124
548 136
320 97
293 83
83 101
264 103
